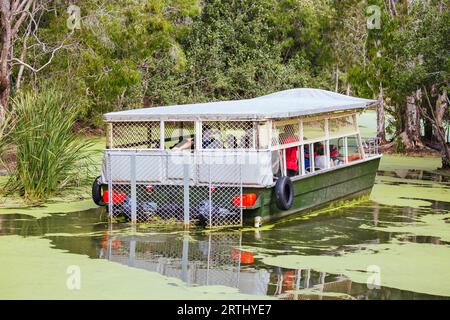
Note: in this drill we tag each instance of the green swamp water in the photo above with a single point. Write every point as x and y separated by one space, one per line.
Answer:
400 237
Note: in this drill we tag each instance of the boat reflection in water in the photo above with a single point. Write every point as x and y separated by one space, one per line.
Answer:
217 259
210 260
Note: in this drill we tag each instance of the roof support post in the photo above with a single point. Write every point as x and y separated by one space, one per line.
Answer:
312 159
327 144
162 137
301 149
110 190
198 135
360 144
345 150
133 188
109 144
254 132
186 178
270 134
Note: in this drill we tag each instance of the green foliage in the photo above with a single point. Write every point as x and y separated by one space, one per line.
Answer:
411 49
49 156
121 46
134 53
241 49
130 53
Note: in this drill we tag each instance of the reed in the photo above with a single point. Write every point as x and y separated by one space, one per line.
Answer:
49 156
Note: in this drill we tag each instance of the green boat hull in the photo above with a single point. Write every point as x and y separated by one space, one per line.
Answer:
316 190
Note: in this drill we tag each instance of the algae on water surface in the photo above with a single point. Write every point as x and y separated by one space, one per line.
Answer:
387 192
431 225
408 266
37 271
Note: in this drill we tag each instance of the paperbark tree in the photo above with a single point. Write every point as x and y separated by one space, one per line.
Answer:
381 118
412 118
435 114
19 21
13 14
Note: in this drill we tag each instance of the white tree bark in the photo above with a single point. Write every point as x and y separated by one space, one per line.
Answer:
411 139
381 118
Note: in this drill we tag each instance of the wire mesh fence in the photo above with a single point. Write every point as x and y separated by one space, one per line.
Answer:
179 135
285 132
135 135
175 187
228 135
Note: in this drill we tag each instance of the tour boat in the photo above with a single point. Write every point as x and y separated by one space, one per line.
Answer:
229 163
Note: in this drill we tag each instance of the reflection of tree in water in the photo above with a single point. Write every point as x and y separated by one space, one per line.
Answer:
75 232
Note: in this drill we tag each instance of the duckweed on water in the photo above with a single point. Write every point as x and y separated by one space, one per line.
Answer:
400 162
37 271
49 208
303 216
408 266
398 181
432 225
408 195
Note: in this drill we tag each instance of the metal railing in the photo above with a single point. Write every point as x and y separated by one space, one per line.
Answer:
174 187
371 146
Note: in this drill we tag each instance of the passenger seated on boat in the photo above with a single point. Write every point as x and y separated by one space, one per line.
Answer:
291 153
246 140
232 142
307 162
180 140
185 144
320 160
307 156
334 155
209 141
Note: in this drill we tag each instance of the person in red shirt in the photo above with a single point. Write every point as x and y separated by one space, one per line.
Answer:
288 136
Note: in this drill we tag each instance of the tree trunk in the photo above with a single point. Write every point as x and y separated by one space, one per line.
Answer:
22 57
429 135
5 10
381 119
441 108
411 139
348 89
392 8
337 78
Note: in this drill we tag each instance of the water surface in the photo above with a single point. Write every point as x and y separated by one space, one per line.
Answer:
396 246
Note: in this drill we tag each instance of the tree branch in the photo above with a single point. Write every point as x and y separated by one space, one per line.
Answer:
19 21
43 66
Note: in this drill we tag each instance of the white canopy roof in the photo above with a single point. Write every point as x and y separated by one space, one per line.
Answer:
283 104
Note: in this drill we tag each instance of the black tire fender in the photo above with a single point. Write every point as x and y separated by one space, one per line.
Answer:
284 193
97 195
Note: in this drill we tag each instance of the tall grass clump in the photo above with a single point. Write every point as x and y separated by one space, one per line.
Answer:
7 124
49 156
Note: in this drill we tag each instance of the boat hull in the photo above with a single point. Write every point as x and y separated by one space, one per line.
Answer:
317 190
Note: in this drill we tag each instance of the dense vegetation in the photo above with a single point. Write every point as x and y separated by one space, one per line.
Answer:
108 55
48 155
